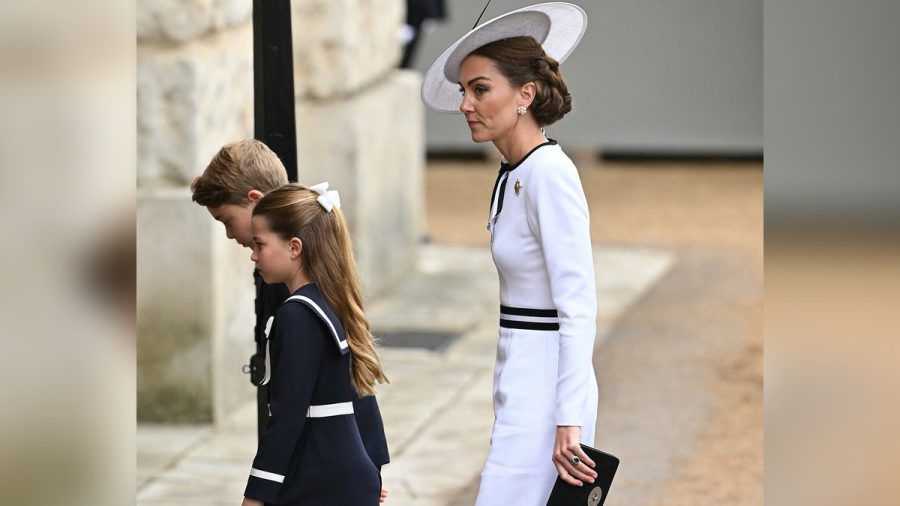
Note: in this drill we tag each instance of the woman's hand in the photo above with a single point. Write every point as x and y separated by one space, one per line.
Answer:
568 439
383 495
251 502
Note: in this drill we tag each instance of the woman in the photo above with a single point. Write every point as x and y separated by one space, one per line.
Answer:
509 87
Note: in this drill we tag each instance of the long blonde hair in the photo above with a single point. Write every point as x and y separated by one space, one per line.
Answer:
327 259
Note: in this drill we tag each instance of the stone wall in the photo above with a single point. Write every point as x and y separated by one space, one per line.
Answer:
360 127
192 97
195 303
370 147
341 47
195 289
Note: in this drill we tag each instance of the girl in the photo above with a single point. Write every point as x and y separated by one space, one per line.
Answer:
311 452
504 77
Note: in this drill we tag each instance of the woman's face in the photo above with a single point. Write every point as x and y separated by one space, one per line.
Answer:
488 100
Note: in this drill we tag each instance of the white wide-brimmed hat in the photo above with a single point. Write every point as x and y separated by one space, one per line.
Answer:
557 26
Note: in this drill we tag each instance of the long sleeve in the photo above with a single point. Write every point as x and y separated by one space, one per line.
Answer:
558 216
371 429
298 345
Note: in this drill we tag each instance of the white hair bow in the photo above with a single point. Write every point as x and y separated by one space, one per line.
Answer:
328 198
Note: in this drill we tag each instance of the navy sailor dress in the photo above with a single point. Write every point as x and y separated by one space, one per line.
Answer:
311 452
365 409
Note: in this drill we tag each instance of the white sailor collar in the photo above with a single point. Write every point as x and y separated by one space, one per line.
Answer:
310 296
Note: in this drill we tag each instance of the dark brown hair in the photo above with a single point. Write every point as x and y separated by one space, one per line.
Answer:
522 60
236 169
327 259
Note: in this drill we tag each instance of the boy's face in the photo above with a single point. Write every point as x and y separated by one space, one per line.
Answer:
236 218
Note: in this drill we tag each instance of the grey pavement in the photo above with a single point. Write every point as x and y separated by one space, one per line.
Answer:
437 408
664 378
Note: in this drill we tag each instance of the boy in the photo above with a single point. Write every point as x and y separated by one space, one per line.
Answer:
237 177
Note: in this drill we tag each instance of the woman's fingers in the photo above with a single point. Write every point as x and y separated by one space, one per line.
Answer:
564 474
584 458
572 470
578 472
586 464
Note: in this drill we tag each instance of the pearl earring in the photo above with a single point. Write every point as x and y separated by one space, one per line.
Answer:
521 110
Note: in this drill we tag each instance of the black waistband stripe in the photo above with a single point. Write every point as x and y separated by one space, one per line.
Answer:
515 324
521 311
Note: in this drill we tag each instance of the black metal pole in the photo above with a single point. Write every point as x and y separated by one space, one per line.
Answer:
273 75
274 124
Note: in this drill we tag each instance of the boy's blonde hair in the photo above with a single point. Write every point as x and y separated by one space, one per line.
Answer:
327 259
236 169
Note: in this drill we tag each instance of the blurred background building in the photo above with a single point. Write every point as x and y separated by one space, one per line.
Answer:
681 77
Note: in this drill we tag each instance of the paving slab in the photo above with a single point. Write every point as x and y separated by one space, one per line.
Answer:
160 446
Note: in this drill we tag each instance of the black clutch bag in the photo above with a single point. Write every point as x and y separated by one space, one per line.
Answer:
589 494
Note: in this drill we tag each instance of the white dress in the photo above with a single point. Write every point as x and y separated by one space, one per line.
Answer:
543 377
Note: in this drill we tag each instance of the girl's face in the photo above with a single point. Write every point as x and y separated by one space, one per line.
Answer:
488 100
277 260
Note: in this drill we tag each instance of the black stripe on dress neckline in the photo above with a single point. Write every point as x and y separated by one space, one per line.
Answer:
506 165
505 168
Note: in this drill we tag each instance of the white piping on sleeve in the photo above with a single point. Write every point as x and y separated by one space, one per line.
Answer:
266 475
